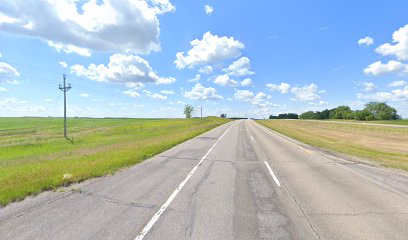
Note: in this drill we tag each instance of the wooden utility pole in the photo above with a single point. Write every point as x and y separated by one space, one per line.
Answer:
65 88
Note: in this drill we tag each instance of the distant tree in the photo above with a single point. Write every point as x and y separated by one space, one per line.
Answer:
308 115
223 115
381 111
188 110
341 112
273 117
362 115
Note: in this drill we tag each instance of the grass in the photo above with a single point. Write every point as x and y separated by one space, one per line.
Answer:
390 122
384 145
34 156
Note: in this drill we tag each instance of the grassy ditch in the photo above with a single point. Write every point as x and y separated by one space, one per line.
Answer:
35 157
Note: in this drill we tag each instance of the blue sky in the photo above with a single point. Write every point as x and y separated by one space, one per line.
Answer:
244 58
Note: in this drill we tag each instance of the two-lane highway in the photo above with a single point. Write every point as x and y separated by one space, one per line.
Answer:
238 181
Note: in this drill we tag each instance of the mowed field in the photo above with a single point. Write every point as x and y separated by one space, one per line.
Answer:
385 145
34 156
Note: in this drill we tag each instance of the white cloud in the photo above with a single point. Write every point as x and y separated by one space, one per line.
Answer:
1 55
206 69
17 107
195 79
243 95
3 89
208 9
282 87
86 95
135 85
306 93
211 49
121 68
81 26
199 92
167 92
239 68
397 83
69 48
8 74
367 41
131 93
379 68
246 82
393 95
400 47
225 80
248 96
63 64
158 96
368 86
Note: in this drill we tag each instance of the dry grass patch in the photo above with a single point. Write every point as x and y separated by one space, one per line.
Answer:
385 145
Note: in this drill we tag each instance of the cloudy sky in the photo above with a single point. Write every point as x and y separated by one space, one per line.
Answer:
245 58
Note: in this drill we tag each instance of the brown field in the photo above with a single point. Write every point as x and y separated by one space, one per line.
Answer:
385 145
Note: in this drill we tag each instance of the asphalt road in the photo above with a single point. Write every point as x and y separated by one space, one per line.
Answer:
238 181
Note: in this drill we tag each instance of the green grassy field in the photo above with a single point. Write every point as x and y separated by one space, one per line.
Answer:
384 145
34 156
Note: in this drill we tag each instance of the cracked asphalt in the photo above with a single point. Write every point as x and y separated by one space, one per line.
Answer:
231 195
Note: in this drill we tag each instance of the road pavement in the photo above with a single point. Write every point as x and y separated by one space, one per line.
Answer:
237 181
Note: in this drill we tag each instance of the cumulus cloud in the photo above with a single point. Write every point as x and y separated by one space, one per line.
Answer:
397 83
167 92
86 95
225 80
378 68
282 87
394 95
199 92
208 9
155 95
246 82
239 68
306 93
127 69
367 41
63 64
135 85
8 74
399 45
3 89
210 49
158 96
248 96
206 69
81 26
195 79
368 86
131 93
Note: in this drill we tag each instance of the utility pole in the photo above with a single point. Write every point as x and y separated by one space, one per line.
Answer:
201 110
65 88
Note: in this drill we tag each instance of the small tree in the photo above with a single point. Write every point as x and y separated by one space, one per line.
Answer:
188 110
223 115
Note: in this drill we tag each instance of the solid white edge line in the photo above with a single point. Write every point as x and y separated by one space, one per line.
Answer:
157 215
272 174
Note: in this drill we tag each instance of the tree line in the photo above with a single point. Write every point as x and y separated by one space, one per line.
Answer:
372 111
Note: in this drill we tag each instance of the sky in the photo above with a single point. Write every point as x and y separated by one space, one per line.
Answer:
150 58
